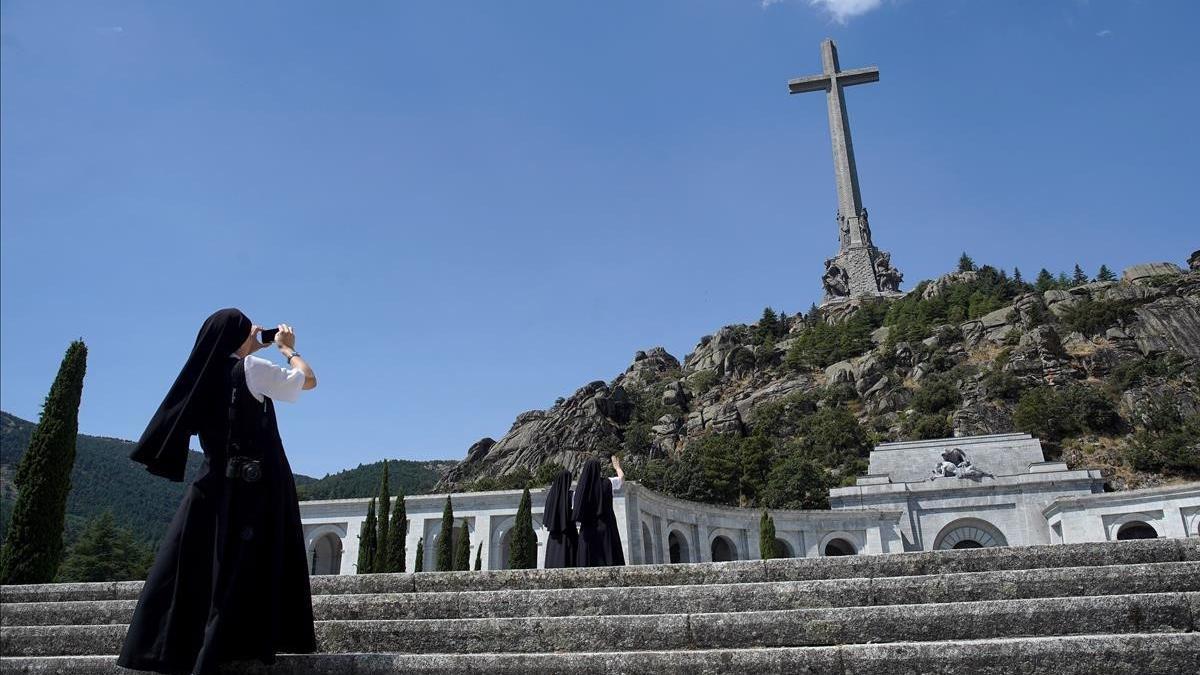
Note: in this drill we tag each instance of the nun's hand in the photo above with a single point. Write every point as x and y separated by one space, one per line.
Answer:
286 337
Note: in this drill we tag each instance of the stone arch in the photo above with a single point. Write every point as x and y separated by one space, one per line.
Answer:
839 544
969 533
325 554
679 547
647 545
783 549
1135 526
723 549
1137 529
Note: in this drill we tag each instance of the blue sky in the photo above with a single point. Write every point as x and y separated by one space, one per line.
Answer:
469 209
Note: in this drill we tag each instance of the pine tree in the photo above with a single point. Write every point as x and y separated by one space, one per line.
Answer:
105 552
1044 281
444 556
1078 277
1063 281
522 548
966 263
783 324
479 557
1017 279
462 552
397 534
1105 274
33 546
768 325
381 539
766 537
366 541
420 565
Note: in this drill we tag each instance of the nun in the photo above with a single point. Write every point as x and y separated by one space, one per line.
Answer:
230 578
560 546
599 539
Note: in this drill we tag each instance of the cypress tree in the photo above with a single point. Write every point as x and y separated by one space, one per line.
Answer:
1105 274
420 565
462 552
366 542
479 557
1078 277
766 537
381 539
522 548
397 534
445 540
966 263
33 545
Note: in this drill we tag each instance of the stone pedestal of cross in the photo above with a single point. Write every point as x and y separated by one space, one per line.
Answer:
859 269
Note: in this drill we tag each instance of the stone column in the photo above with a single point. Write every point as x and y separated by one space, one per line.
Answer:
350 547
483 535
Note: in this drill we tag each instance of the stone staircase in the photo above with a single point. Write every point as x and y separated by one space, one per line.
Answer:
1120 607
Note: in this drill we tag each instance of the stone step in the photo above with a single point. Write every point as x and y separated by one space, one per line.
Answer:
748 571
1128 654
1148 613
761 596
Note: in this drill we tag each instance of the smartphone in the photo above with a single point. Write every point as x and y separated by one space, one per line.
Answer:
268 335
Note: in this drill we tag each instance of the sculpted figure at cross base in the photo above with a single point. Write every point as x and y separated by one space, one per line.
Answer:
835 280
889 277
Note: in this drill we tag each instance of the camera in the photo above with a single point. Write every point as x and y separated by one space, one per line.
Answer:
268 335
246 468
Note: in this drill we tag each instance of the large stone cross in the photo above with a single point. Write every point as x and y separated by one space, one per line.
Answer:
832 81
859 269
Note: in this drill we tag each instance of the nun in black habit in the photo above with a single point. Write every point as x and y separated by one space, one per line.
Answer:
230 579
599 538
560 546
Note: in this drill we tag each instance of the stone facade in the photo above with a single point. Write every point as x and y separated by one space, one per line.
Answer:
916 496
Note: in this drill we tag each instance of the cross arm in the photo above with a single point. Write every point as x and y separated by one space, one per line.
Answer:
810 83
858 76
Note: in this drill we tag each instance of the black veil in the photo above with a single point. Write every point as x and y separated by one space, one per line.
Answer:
557 515
589 493
195 401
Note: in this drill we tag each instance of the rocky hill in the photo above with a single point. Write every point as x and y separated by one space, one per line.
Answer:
1105 372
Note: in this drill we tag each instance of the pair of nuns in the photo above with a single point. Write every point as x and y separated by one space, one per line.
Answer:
597 542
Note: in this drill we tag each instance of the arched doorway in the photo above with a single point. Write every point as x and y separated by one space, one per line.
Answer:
839 546
969 533
326 555
723 550
783 549
677 546
647 546
1136 529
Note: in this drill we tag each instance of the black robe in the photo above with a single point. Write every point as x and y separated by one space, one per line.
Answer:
230 579
599 539
560 545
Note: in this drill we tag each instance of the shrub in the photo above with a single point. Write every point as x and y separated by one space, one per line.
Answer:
819 344
1168 443
1003 385
923 426
1052 414
1091 317
797 483
938 393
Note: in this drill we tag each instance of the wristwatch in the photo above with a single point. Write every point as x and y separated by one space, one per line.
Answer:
294 355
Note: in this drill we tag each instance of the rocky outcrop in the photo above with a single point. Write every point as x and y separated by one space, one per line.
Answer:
659 406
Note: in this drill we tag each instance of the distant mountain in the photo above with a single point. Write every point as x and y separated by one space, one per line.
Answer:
363 481
105 478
